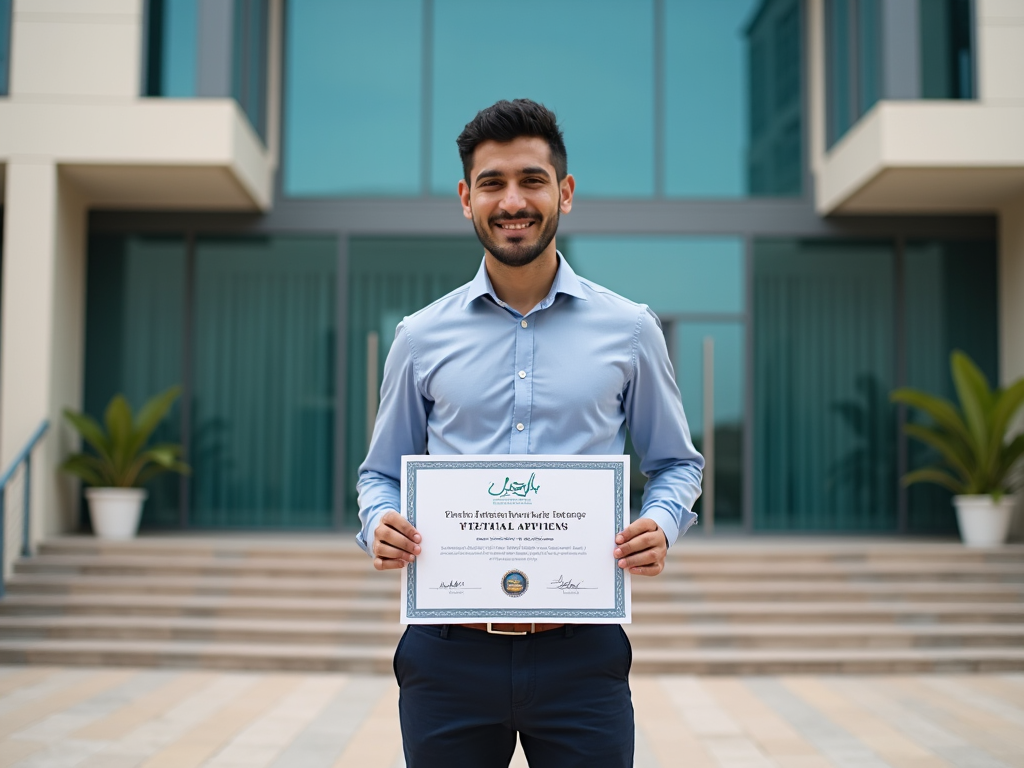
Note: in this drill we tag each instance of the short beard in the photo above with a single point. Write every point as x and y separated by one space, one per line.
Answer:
518 255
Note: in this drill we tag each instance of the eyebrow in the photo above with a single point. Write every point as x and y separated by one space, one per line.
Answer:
532 170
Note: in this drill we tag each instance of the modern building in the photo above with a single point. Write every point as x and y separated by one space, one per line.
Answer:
820 199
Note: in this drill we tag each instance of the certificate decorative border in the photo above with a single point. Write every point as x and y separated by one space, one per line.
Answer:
413 467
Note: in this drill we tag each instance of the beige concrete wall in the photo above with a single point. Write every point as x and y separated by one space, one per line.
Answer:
43 322
1000 54
97 45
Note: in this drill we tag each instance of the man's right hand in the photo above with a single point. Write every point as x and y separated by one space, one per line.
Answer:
395 542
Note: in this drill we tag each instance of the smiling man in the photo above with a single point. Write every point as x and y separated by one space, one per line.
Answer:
527 358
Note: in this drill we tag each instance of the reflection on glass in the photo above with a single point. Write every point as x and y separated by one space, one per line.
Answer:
135 312
598 77
669 274
262 447
352 110
853 62
389 278
947 58
824 448
171 48
950 299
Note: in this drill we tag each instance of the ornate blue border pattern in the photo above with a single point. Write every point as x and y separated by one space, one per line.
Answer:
413 467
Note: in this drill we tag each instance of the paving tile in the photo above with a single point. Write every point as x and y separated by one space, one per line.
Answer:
60 699
378 742
671 741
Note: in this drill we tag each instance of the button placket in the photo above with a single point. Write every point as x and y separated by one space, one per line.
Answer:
523 387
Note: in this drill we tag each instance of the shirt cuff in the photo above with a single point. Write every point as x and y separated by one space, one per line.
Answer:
371 525
667 522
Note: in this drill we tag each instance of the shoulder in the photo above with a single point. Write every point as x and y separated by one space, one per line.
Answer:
617 307
440 310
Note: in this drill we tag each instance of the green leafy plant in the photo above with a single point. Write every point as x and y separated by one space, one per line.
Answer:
977 459
121 458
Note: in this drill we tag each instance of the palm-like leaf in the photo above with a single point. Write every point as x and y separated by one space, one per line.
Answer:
971 438
121 459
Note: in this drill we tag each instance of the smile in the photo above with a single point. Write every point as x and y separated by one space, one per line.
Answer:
516 226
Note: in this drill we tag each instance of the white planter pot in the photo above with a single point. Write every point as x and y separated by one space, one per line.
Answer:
983 523
115 512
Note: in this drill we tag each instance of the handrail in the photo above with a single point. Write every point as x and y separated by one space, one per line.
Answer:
24 455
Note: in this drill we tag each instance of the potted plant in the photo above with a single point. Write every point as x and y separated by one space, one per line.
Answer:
122 463
977 460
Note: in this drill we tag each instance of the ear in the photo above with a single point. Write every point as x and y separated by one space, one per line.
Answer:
467 208
566 188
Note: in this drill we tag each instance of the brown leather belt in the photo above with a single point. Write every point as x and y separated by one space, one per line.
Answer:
512 629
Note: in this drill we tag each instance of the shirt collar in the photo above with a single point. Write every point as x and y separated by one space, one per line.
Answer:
566 282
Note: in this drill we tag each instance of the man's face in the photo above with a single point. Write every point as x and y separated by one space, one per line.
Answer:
514 199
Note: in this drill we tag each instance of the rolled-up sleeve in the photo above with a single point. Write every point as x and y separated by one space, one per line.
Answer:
400 430
660 434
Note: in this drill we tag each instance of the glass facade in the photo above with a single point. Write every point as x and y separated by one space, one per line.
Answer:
950 303
825 433
249 61
248 327
947 43
853 62
5 45
172 48
670 84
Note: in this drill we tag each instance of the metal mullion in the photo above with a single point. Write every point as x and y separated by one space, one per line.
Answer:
900 353
659 97
426 97
748 386
187 385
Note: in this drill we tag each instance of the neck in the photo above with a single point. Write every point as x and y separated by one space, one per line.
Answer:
523 288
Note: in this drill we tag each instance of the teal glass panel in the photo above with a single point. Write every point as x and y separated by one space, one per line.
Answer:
135 312
869 56
172 48
5 45
774 60
683 280
591 61
951 296
352 111
688 341
264 340
669 274
732 98
947 49
389 278
249 61
824 430
838 68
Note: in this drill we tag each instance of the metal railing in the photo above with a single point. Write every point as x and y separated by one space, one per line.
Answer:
24 457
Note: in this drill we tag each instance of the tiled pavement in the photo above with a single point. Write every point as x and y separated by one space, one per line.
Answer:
116 718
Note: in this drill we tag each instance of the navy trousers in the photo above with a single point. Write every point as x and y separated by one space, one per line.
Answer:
466 693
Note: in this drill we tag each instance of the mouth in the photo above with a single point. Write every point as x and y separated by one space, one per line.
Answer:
514 225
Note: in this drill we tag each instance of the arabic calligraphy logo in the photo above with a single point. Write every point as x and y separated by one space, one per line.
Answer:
514 583
515 489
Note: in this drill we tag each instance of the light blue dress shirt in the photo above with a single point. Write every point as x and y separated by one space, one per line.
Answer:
468 375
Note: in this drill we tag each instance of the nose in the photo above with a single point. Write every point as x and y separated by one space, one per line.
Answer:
512 202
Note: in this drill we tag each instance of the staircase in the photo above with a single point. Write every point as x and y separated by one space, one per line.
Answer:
739 606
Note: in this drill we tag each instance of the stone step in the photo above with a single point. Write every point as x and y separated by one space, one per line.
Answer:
375 584
219 630
387 609
377 659
135 565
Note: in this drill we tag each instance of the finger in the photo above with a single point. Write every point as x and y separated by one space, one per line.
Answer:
387 564
646 557
647 570
386 551
648 540
643 525
393 538
403 526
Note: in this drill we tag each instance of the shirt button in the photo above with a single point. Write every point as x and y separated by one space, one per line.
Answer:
520 426
524 323
522 374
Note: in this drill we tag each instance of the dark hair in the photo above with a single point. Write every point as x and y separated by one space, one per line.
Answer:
508 120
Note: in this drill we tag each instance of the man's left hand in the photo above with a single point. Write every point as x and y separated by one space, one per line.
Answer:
642 548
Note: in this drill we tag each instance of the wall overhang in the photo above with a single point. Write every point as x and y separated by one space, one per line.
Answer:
919 157
176 154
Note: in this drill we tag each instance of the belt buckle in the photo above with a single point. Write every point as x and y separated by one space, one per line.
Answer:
500 632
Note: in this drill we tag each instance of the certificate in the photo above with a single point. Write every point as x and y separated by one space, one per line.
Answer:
516 539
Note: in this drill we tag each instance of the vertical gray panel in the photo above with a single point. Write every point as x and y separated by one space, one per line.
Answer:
748 386
216 21
901 50
341 383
